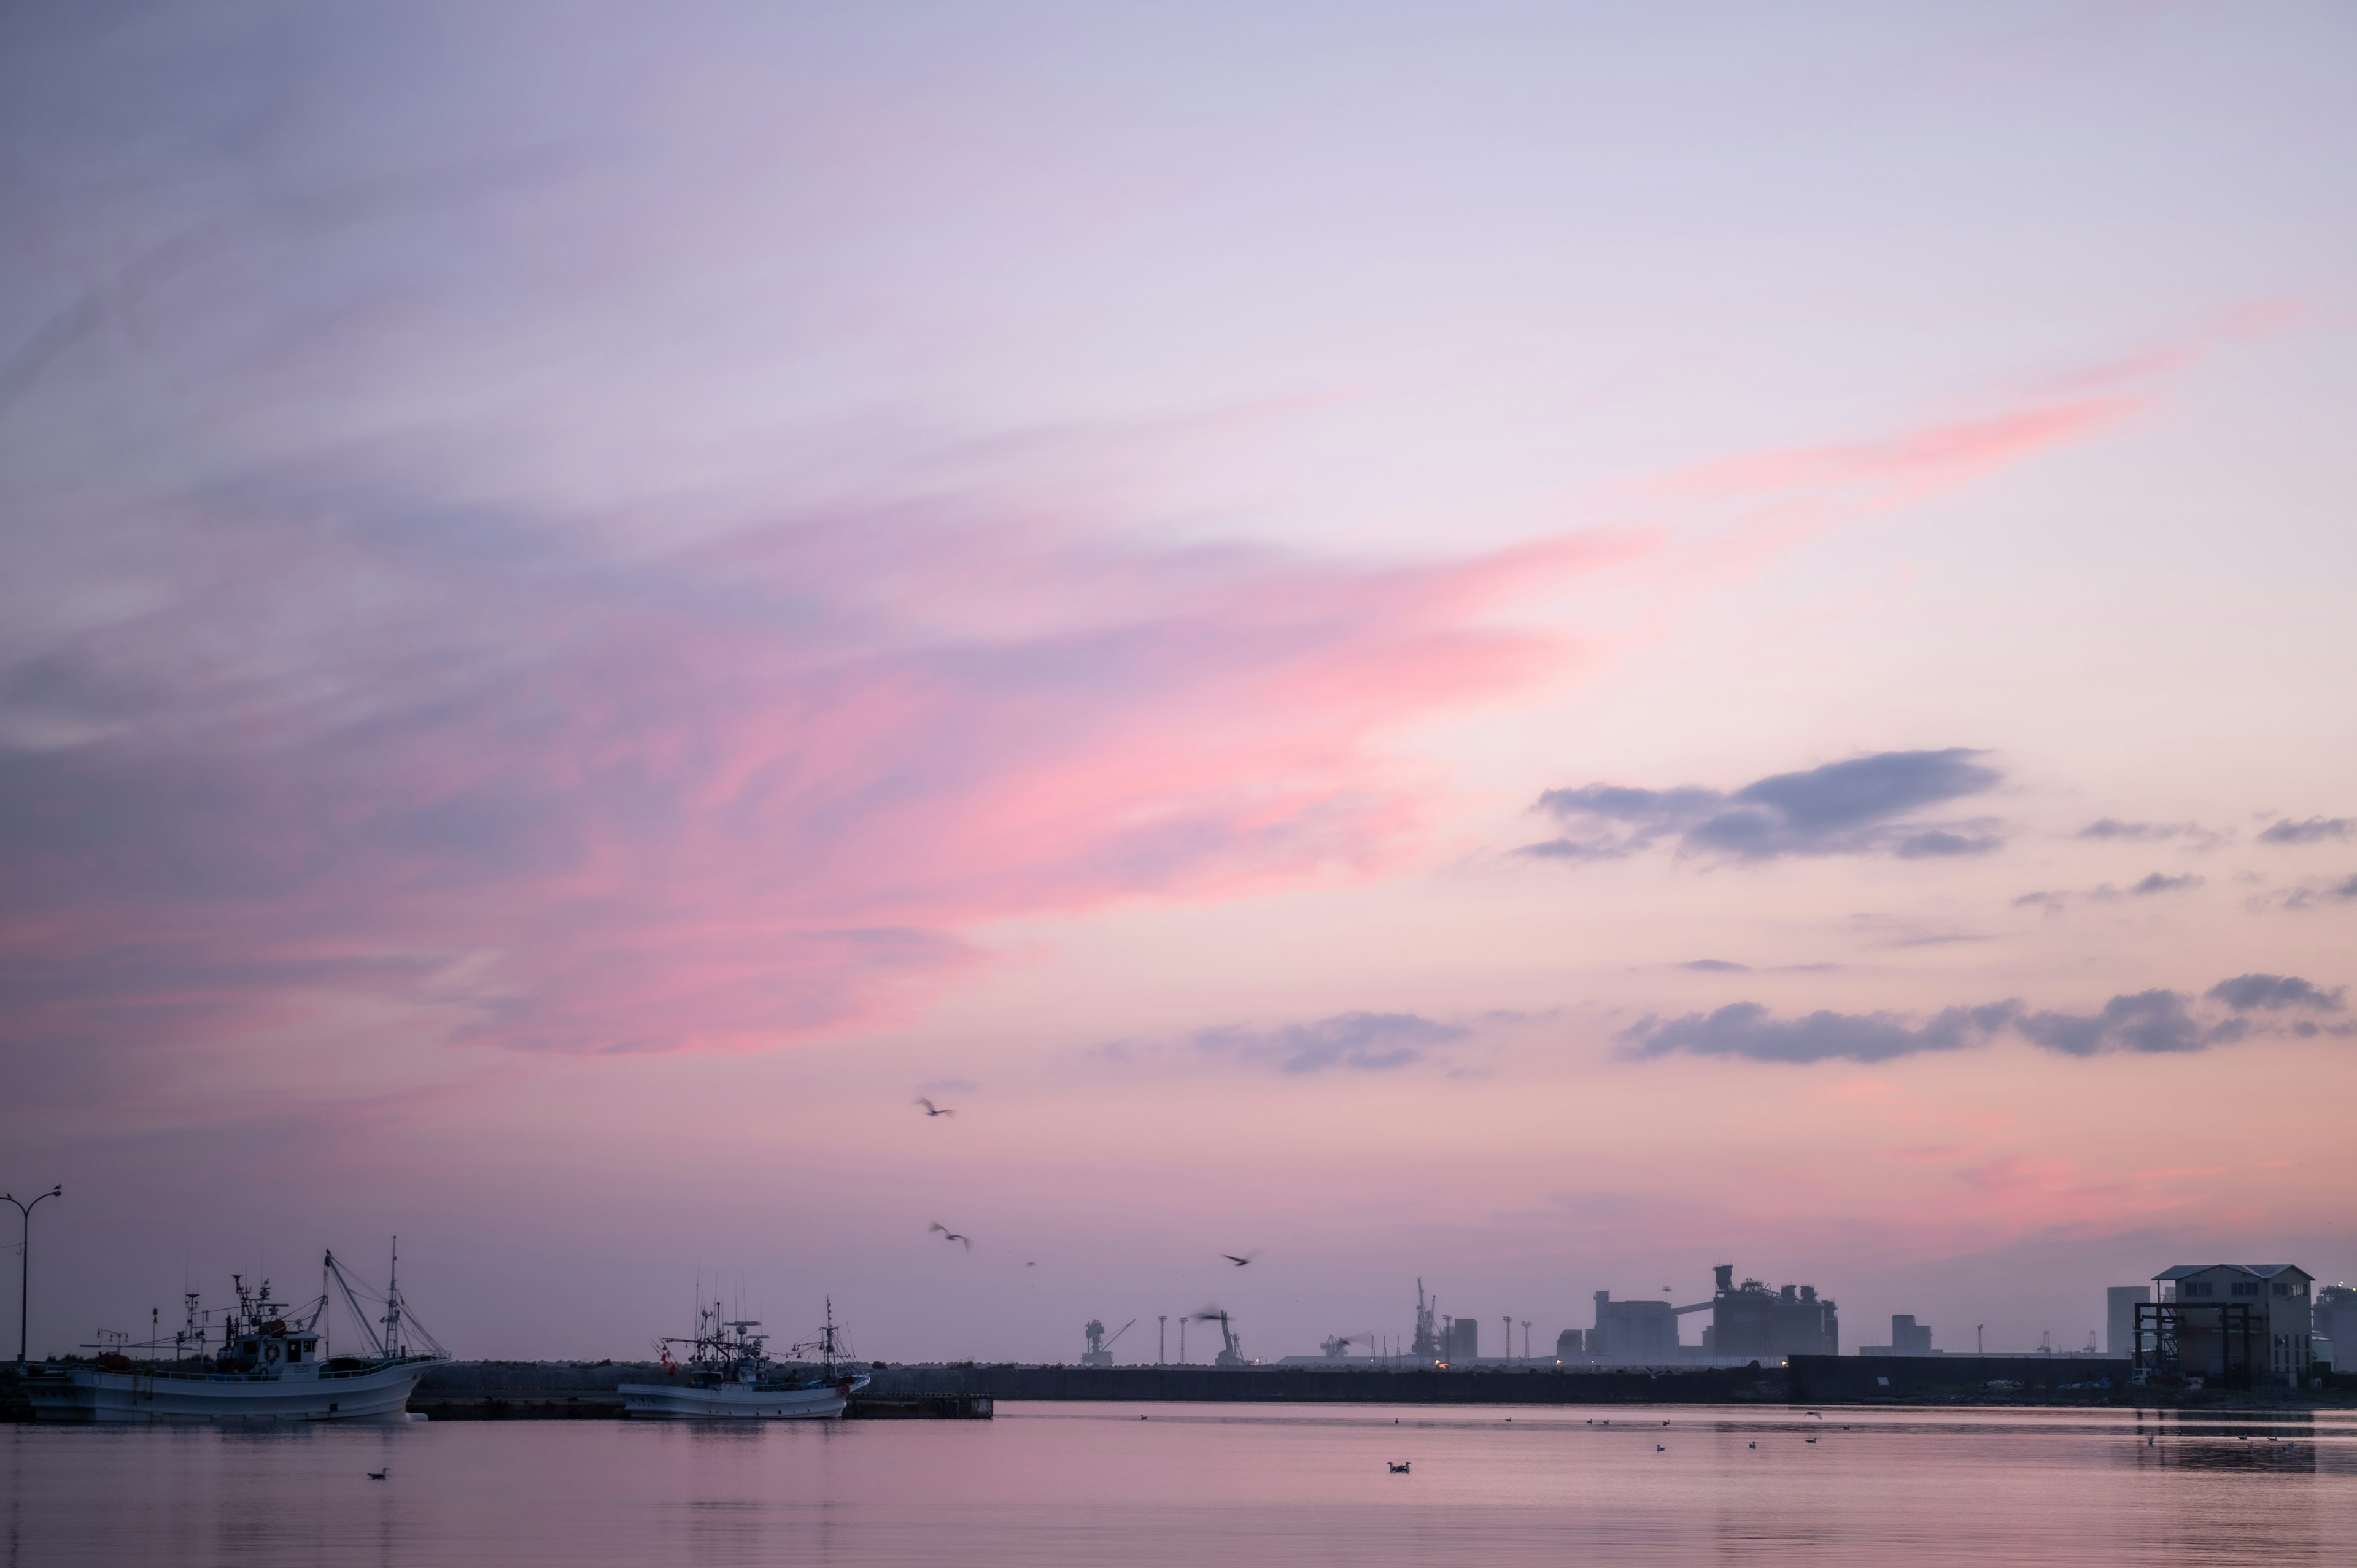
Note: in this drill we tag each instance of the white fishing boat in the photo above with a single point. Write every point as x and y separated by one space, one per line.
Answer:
274 1363
727 1375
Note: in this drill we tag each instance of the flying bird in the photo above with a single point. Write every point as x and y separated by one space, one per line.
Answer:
1240 1262
932 1110
949 1235
1400 1469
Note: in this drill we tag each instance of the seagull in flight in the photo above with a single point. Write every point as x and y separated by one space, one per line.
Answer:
949 1235
933 1110
1240 1262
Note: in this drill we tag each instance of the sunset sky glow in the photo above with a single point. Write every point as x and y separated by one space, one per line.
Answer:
1540 647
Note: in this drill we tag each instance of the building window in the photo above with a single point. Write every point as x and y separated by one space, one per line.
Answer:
2243 1289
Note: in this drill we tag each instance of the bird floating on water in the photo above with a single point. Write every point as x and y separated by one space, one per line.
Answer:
1659 1449
933 1110
380 1475
949 1235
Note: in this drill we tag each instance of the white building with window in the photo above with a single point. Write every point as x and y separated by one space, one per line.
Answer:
2279 1297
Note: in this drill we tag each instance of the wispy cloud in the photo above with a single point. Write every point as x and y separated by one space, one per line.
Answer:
2154 882
1866 805
2316 892
1365 1042
2113 830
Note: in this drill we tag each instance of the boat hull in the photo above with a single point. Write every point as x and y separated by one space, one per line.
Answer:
89 1394
735 1401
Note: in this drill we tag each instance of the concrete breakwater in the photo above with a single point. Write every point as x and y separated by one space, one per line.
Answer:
546 1391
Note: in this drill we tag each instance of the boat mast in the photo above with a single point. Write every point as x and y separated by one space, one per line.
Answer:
393 1345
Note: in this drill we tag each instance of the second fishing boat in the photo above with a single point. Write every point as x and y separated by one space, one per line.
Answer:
727 1375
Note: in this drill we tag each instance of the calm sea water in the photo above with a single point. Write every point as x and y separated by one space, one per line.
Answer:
1231 1485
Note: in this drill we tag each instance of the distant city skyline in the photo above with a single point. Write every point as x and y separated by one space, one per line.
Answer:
1537 648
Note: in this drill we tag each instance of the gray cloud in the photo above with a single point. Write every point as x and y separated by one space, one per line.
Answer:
2273 993
1744 1029
2144 1022
2150 1021
2316 830
1935 842
1716 966
2158 883
1855 807
1368 1042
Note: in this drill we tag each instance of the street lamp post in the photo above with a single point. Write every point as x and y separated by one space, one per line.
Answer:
24 1264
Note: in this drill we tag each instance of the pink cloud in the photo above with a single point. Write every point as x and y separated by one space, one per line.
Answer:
544 797
1918 461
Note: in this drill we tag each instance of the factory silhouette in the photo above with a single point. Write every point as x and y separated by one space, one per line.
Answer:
1749 1321
2224 1325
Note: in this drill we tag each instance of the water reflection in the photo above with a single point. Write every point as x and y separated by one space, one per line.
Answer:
1234 1484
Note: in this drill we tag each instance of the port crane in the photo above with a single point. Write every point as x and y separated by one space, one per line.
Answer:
1100 1351
1231 1353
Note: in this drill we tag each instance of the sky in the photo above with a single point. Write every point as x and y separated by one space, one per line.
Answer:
1536 646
